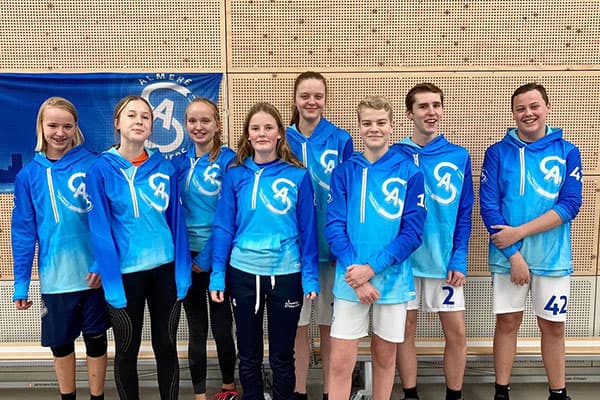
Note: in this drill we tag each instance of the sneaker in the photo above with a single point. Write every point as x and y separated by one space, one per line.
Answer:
500 397
227 395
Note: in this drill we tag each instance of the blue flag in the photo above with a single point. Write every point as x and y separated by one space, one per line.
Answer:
95 96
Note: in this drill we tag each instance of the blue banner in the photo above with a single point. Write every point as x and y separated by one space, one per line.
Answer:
95 96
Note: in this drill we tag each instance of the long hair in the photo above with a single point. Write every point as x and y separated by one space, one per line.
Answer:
65 105
303 77
245 149
217 142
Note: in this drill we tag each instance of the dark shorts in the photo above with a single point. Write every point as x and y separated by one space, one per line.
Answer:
66 315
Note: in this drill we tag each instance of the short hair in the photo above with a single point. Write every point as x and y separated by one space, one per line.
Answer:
63 104
375 103
528 87
424 87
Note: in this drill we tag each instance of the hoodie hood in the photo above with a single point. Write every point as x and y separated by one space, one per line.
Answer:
436 146
118 162
322 132
73 156
386 160
552 135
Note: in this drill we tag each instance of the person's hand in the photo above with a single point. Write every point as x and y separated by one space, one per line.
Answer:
507 235
311 296
197 268
94 280
218 296
358 274
367 293
23 304
519 270
456 278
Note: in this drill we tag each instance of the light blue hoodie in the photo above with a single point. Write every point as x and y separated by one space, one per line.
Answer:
449 190
50 207
326 148
266 221
137 221
520 182
200 183
376 217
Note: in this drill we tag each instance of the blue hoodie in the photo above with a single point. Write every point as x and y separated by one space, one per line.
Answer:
266 221
520 182
449 190
137 223
50 207
200 183
325 149
376 217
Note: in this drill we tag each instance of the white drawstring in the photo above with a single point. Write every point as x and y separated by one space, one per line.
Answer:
272 282
257 303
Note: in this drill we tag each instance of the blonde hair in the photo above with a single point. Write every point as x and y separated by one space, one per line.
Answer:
375 103
217 141
245 149
65 105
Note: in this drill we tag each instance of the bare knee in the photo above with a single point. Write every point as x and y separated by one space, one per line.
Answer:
508 323
552 329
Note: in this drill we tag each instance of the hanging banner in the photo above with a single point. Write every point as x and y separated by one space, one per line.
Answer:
95 95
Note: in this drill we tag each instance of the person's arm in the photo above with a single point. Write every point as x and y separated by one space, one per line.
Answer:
348 149
105 251
309 251
337 215
23 237
176 221
490 198
223 233
462 229
566 208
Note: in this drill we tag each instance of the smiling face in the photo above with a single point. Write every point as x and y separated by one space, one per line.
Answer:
134 122
529 111
310 99
202 125
59 129
375 128
263 134
426 114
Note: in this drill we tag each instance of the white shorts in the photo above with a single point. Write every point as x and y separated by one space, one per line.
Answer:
323 304
437 295
549 296
351 320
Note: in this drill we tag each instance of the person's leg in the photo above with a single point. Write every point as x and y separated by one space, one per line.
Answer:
95 323
64 366
284 301
127 326
324 315
165 312
342 360
196 312
325 340
406 356
553 352
249 330
221 321
505 344
302 358
383 354
455 350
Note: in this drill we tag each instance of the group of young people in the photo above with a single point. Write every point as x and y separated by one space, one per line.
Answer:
294 222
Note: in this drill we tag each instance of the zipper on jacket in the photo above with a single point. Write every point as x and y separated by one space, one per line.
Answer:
134 200
255 187
363 195
416 159
52 197
191 173
304 155
522 162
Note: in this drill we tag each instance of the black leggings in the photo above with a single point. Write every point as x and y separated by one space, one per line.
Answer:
157 287
221 323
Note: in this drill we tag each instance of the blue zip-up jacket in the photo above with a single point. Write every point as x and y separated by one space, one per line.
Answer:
50 207
266 221
326 148
520 182
137 222
200 183
376 217
449 197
